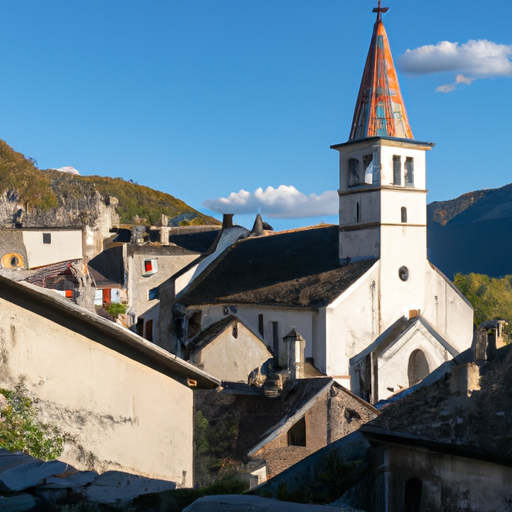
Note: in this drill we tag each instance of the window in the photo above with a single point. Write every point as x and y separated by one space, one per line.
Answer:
297 434
409 172
153 294
47 238
275 340
404 214
148 327
368 169
260 325
412 495
194 324
353 172
149 267
397 170
358 212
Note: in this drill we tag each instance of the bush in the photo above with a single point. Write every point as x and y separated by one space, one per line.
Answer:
21 430
115 309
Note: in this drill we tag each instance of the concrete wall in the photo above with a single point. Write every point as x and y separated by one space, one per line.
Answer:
122 414
232 359
139 285
65 245
450 482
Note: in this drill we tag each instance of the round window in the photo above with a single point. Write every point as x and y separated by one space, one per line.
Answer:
403 273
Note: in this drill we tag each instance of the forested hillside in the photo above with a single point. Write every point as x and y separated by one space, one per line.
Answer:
21 182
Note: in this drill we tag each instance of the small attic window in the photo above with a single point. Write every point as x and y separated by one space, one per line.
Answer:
297 434
397 170
409 172
47 238
149 267
403 213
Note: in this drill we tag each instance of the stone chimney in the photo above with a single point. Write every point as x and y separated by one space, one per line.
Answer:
465 378
227 220
296 347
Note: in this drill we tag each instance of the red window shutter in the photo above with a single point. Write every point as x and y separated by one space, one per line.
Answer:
148 266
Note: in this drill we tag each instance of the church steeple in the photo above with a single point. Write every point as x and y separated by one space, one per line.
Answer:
380 109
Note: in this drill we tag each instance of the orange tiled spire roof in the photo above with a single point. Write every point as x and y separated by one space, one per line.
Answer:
380 109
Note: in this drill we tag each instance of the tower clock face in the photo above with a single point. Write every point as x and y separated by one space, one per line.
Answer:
403 273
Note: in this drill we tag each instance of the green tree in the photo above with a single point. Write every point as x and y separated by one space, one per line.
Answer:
491 298
22 431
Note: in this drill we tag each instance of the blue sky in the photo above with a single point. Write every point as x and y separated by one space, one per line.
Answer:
205 98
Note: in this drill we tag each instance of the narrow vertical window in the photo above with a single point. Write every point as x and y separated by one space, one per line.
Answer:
404 214
275 340
260 325
397 170
409 172
358 212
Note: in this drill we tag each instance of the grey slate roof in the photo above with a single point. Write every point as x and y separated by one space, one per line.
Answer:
299 269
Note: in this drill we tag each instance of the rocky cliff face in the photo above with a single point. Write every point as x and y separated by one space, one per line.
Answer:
91 212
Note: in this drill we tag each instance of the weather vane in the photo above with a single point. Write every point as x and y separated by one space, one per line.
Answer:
380 10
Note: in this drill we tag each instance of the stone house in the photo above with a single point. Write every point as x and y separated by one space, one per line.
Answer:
136 270
229 350
276 432
125 403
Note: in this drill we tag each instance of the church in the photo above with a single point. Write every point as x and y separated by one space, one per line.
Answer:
362 297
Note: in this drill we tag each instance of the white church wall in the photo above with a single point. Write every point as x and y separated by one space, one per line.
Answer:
419 162
402 246
393 363
447 310
392 201
369 207
352 323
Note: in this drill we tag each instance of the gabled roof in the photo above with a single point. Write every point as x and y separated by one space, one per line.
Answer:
380 109
260 418
477 426
298 269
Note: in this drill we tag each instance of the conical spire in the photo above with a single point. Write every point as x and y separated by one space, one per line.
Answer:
380 109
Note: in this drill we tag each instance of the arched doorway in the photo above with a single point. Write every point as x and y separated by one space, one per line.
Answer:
418 367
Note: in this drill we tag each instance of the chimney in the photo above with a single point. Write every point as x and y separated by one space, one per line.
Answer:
227 220
296 347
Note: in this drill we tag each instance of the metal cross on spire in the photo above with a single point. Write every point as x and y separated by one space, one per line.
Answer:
380 10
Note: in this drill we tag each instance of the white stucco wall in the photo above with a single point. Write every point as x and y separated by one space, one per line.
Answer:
126 415
286 318
352 323
139 285
393 363
65 245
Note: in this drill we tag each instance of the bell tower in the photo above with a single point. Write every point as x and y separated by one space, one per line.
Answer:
382 193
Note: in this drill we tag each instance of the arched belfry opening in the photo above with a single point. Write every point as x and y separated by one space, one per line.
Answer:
418 367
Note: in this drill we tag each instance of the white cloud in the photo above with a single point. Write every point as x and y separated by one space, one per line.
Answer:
446 88
480 59
461 79
67 168
283 202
